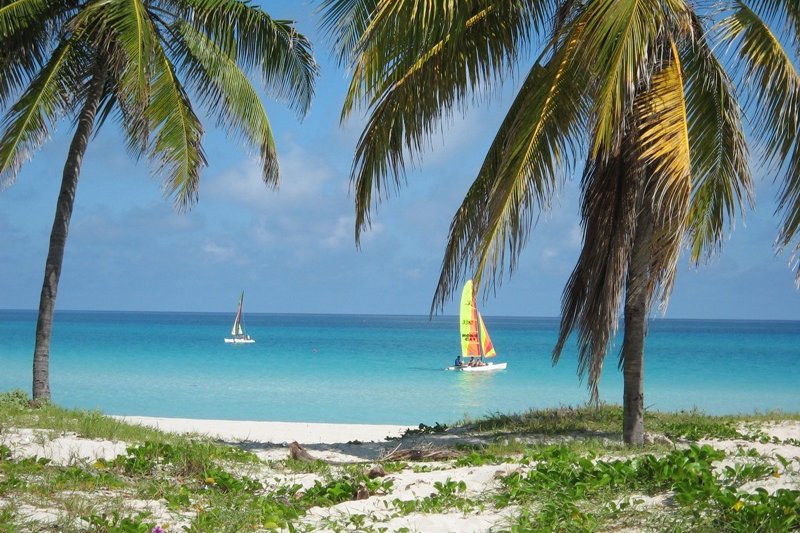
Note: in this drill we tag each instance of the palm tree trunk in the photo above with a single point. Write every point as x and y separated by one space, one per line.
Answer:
636 305
58 235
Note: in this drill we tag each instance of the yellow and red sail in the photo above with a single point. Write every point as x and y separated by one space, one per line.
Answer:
475 341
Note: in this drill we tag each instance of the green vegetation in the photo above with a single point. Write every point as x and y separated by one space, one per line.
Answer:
571 492
605 420
580 484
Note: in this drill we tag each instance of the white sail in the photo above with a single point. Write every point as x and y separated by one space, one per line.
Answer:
237 331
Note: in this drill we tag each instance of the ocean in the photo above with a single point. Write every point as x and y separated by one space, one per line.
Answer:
383 369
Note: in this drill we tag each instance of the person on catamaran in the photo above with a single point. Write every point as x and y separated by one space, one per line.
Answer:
459 362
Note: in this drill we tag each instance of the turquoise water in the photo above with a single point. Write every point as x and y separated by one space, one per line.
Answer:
382 369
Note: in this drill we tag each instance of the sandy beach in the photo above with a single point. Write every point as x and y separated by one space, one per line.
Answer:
345 446
274 432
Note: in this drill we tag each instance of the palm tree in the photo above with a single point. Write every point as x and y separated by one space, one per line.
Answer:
632 87
139 61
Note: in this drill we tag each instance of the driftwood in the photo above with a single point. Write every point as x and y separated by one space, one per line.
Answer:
420 454
298 453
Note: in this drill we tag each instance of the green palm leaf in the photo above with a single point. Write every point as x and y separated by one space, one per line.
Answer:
721 175
254 40
176 148
538 139
343 22
229 95
403 117
127 35
29 121
24 31
774 86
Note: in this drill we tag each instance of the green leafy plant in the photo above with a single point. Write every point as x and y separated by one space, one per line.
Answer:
117 523
448 495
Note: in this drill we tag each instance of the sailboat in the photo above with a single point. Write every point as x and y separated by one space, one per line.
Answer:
237 332
475 342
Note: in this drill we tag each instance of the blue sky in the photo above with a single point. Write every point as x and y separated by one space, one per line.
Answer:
293 251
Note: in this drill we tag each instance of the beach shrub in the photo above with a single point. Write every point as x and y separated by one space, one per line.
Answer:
12 482
393 467
16 398
177 498
117 523
7 520
424 429
226 482
187 458
448 495
317 466
562 486
77 478
342 489
480 458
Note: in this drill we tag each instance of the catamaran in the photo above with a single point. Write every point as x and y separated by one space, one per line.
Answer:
238 336
475 342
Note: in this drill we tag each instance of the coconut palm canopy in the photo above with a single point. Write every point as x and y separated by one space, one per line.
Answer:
645 97
141 62
155 54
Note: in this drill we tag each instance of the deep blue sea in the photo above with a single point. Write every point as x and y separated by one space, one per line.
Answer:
382 369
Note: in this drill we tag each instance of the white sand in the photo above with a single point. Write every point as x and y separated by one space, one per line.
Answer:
272 432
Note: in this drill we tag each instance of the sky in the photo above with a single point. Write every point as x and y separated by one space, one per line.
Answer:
292 251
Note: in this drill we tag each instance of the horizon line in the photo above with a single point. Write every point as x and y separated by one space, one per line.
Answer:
306 313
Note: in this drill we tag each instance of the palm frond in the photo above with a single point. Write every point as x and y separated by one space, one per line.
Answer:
414 93
720 172
177 132
784 13
620 42
228 93
125 34
613 193
343 22
51 94
25 39
537 141
254 40
402 35
774 86
663 150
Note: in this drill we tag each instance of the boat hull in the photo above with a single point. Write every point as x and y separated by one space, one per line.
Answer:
239 341
489 367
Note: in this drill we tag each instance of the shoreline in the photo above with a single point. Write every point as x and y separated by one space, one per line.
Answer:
271 432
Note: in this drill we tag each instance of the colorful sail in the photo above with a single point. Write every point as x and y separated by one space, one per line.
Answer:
486 342
470 334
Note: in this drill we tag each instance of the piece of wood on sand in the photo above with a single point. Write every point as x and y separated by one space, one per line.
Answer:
422 454
298 453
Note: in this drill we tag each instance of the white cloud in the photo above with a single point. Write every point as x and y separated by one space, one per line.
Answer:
341 233
219 253
303 179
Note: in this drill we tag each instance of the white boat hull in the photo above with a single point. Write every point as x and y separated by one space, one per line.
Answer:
240 341
488 367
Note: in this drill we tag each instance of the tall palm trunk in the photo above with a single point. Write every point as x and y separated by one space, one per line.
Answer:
58 235
636 305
